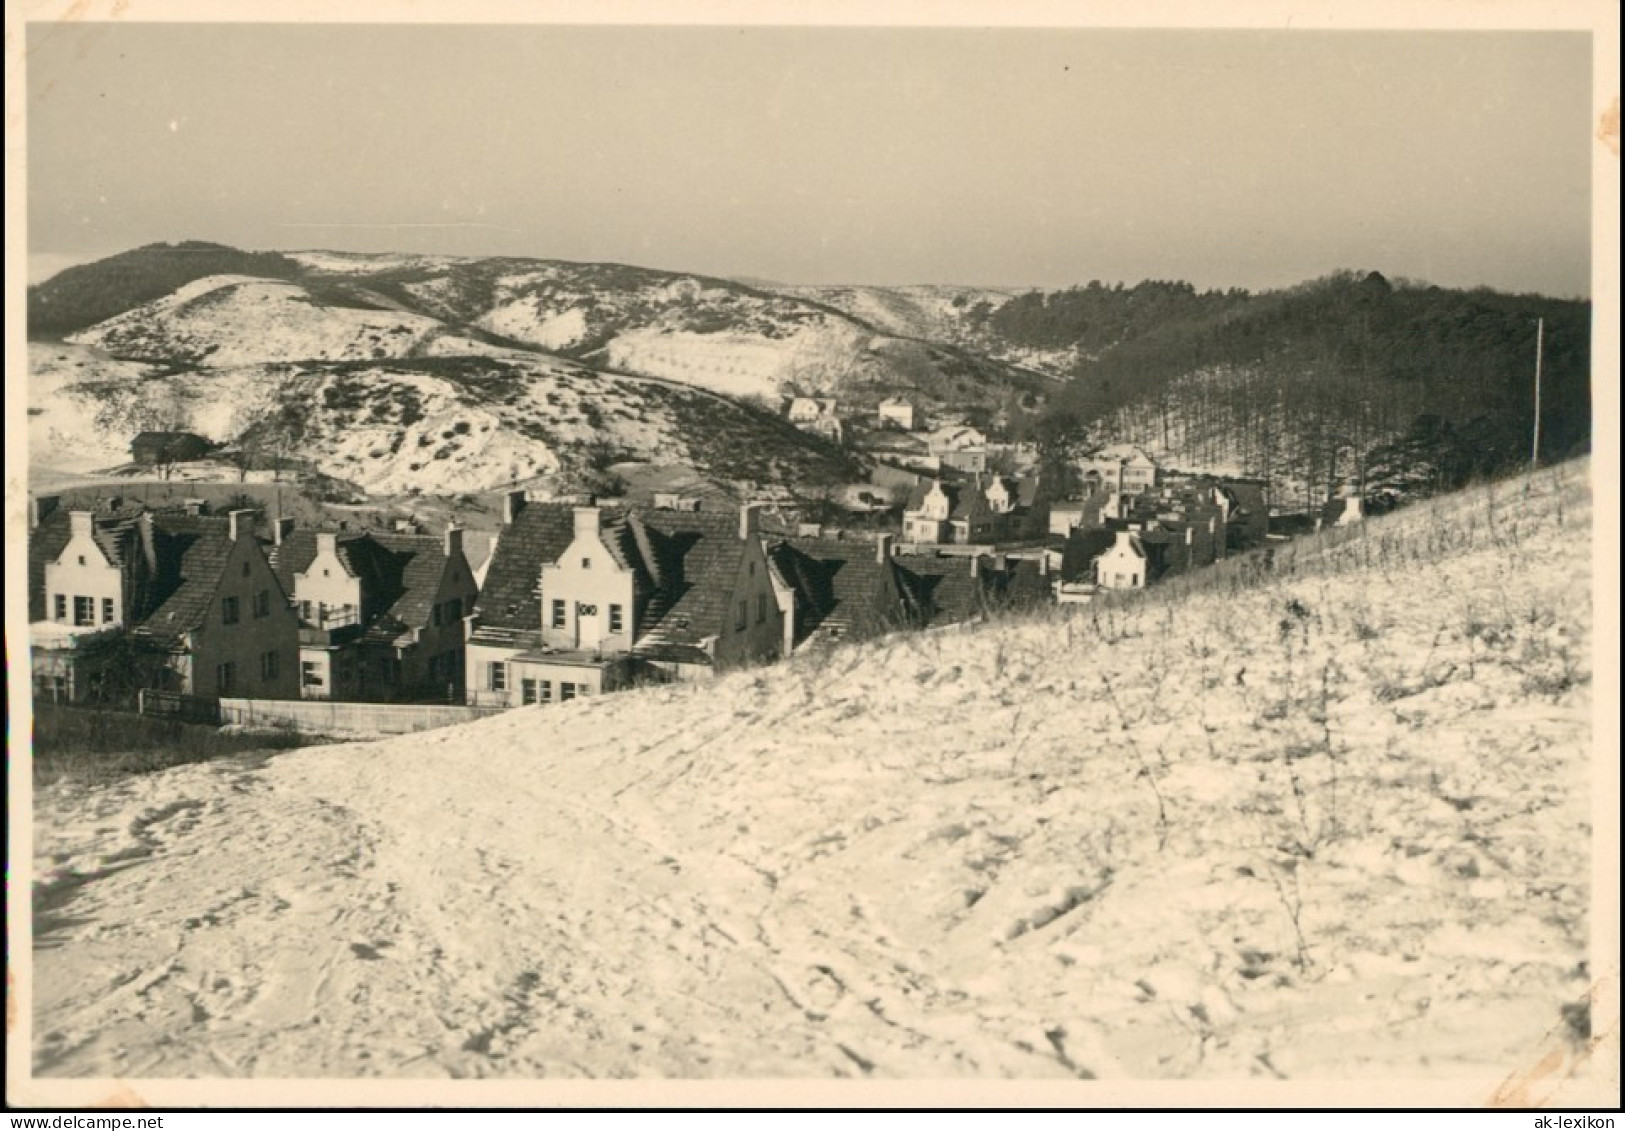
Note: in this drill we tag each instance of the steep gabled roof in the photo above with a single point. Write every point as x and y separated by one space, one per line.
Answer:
698 557
539 534
295 553
411 567
1021 585
114 529
917 494
942 588
1083 546
45 544
841 587
191 552
1132 543
969 503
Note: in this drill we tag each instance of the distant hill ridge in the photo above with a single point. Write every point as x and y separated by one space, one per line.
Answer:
1350 379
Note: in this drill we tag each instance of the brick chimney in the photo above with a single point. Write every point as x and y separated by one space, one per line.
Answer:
750 516
883 548
454 540
512 503
42 507
327 542
80 523
240 524
588 521
976 565
281 529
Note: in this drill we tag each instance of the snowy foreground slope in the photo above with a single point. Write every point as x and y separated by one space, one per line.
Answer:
1332 819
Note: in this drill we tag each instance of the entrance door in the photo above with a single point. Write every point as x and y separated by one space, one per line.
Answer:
589 626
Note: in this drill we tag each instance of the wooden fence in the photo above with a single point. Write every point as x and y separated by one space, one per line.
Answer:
313 716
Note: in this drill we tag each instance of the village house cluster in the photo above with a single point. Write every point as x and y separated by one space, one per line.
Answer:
1131 525
581 598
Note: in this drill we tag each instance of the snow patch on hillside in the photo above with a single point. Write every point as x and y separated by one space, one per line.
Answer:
74 398
1310 826
741 365
921 311
522 320
247 321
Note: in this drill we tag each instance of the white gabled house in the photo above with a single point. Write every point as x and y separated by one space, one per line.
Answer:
584 600
1125 564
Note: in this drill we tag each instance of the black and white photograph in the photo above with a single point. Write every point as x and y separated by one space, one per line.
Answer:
1055 555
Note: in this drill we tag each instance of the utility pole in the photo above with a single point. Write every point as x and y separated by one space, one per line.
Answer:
1540 335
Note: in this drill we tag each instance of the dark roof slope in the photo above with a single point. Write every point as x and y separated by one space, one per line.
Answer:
698 556
45 544
840 586
191 553
942 588
511 597
1083 546
410 568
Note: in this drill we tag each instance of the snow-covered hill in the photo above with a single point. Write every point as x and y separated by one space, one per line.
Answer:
921 311
230 320
1322 815
234 357
429 424
950 314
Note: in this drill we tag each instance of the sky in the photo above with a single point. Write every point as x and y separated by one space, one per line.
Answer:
1009 157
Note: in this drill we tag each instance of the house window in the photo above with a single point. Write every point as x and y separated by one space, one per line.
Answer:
586 563
546 689
262 603
230 611
61 607
454 610
567 692
304 610
558 612
743 617
84 610
225 677
81 559
310 674
615 621
527 692
107 610
245 569
761 607
270 666
497 676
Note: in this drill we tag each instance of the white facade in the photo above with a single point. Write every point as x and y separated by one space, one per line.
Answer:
1124 565
82 588
587 594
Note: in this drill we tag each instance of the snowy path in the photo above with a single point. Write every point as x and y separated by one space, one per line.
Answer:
1220 840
